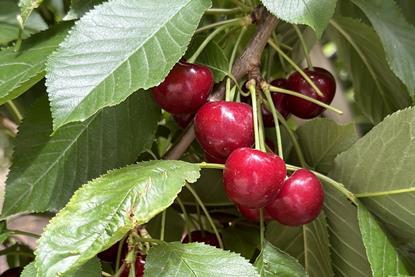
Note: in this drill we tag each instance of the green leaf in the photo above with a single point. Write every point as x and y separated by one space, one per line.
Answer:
241 239
102 211
9 26
134 46
347 251
80 7
173 229
379 168
287 238
21 70
274 262
383 258
26 9
396 34
212 56
377 91
47 170
322 140
314 13
91 269
195 259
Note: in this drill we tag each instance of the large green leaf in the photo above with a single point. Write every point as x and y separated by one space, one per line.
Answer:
288 239
22 69
383 258
322 140
314 13
378 92
347 250
396 34
9 26
80 7
47 170
380 168
92 268
115 49
195 259
274 262
103 210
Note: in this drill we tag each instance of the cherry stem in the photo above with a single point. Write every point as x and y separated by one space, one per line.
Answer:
14 111
310 99
228 90
276 121
119 252
251 87
229 22
261 227
260 126
186 216
209 218
205 42
296 67
211 165
235 48
304 46
223 11
240 4
163 224
23 233
338 186
105 274
120 270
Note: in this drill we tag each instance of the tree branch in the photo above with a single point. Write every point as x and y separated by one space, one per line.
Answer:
247 63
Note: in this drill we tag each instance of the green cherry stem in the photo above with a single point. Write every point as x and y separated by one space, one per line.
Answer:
220 11
338 186
187 219
261 132
209 218
310 99
15 111
251 87
163 224
119 252
211 165
261 227
23 233
304 46
229 22
235 48
296 67
274 112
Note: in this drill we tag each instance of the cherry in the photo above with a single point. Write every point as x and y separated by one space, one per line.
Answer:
199 236
110 254
222 127
323 80
12 272
185 88
212 159
253 178
300 200
253 214
183 119
140 261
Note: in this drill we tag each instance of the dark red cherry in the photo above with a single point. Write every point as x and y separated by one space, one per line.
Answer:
323 80
300 200
12 272
253 214
199 236
110 254
139 267
253 178
185 88
183 119
222 127
212 159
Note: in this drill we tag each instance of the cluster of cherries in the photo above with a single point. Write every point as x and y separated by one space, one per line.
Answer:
253 179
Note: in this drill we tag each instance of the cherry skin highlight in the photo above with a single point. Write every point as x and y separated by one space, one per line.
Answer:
185 88
300 200
199 236
222 127
253 214
303 108
253 178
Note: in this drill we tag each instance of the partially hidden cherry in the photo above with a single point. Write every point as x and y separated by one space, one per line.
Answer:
253 178
199 236
212 159
183 119
253 214
110 254
300 200
222 127
323 80
185 88
140 261
12 272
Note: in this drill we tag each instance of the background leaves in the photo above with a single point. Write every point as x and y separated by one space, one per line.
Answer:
97 67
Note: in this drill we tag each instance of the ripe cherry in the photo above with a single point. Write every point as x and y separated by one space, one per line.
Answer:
323 80
183 119
253 214
110 254
300 200
199 236
12 272
185 88
222 127
140 261
253 178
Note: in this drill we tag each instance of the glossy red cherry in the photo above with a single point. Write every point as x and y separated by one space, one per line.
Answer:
323 80
139 267
253 214
300 200
253 178
199 236
185 88
222 127
183 119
